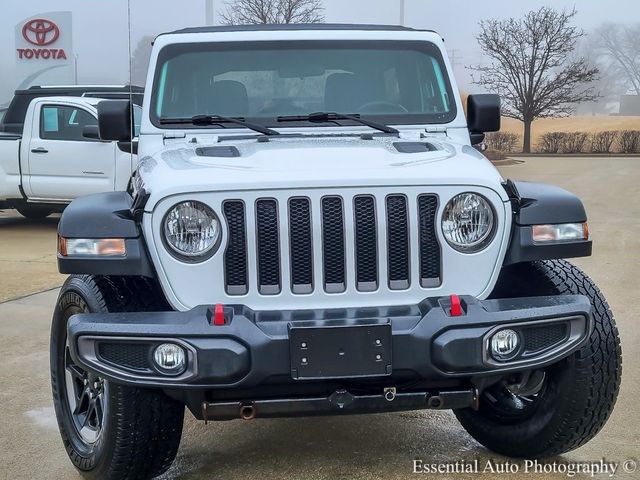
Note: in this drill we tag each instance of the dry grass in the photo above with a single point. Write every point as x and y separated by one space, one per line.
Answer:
586 124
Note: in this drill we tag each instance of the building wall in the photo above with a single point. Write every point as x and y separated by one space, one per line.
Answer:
630 105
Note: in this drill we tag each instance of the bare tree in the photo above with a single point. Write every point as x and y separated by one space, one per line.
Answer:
244 12
609 84
620 44
533 67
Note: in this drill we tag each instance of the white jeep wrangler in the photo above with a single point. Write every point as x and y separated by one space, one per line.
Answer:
311 232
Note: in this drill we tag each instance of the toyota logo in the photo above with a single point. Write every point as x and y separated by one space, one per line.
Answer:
40 32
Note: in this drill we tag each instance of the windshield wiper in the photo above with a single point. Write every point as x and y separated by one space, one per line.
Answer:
322 117
218 120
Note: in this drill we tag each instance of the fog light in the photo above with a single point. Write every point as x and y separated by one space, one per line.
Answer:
504 344
170 358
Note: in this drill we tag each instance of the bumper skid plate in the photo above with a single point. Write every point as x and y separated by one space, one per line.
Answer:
342 402
253 348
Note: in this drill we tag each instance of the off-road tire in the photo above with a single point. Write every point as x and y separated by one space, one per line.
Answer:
142 428
581 390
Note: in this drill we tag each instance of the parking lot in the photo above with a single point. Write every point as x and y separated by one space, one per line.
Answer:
379 446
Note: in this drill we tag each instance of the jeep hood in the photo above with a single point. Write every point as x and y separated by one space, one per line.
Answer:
316 162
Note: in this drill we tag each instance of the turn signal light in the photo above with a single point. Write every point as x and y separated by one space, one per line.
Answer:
562 232
101 247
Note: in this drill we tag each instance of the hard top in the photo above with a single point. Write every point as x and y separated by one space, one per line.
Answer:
295 26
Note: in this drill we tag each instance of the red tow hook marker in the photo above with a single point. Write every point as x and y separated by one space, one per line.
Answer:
218 315
456 306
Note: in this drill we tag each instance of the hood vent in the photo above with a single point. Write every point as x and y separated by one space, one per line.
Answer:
218 151
414 147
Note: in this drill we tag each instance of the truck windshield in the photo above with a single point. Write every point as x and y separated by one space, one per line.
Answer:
392 82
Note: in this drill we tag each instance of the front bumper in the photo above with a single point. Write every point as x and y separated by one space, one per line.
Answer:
253 349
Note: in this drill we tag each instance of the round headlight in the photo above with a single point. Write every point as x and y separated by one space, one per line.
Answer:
468 222
192 230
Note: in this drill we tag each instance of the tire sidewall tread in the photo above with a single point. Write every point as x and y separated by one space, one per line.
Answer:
587 382
142 430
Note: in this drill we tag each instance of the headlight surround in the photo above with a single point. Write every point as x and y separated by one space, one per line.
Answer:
191 230
468 222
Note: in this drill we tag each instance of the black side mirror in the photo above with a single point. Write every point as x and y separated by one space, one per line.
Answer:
129 147
114 120
91 132
483 115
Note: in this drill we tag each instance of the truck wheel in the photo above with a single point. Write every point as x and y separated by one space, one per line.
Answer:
110 431
34 213
570 401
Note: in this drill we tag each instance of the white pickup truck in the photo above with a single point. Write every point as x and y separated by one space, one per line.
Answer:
59 157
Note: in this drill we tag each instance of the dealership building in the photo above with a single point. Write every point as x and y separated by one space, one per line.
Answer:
44 50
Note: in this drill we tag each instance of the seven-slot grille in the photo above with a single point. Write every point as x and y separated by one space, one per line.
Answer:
313 227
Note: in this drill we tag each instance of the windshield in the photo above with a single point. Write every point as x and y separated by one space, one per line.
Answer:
396 82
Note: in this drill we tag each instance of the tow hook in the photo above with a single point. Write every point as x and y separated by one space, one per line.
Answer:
390 394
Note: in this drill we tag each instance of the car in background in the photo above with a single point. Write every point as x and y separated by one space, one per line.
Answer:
58 156
13 119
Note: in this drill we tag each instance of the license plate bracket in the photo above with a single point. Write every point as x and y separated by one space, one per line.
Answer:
340 350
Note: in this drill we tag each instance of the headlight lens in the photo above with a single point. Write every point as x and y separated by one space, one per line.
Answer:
468 222
192 230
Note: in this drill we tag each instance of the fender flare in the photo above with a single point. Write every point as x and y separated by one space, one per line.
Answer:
106 215
541 204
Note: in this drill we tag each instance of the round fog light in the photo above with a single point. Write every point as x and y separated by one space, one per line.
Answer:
170 358
504 344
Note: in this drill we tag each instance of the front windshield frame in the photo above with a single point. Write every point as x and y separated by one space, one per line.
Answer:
173 50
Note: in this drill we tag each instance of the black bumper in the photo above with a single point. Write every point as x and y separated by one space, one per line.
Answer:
254 348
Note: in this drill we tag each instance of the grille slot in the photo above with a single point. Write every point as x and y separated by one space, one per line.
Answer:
429 246
398 242
132 356
235 256
333 244
268 246
300 245
540 338
366 248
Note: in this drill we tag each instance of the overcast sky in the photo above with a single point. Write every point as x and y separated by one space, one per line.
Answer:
100 27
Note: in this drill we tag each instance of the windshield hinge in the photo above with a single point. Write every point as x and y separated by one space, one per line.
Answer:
436 129
172 135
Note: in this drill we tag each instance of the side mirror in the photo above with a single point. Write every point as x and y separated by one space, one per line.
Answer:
114 120
129 147
91 131
483 115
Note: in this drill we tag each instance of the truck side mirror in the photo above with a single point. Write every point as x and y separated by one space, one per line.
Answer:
483 115
91 132
114 120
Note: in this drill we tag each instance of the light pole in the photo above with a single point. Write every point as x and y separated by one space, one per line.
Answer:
402 5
